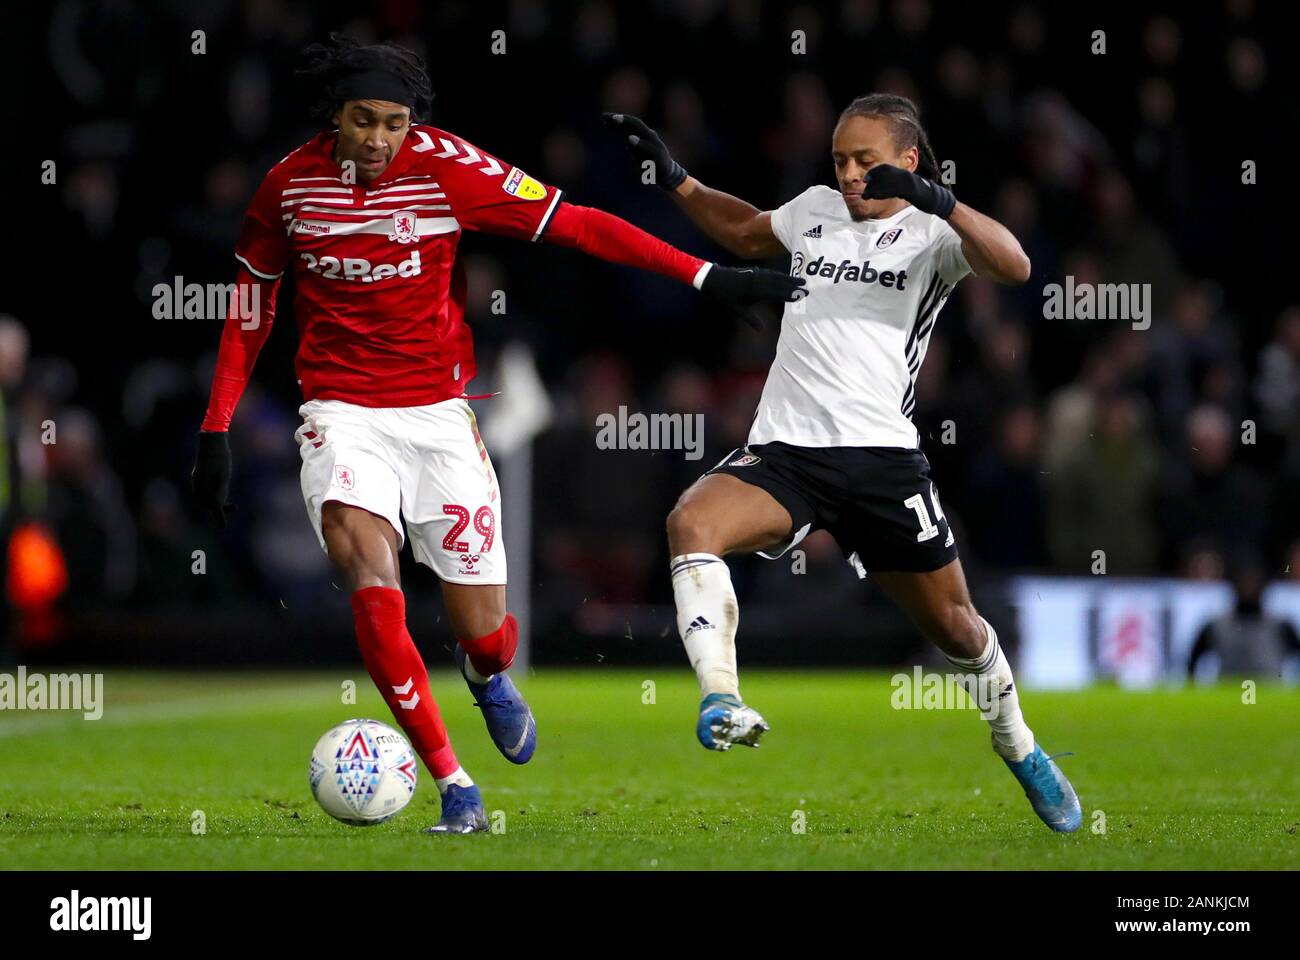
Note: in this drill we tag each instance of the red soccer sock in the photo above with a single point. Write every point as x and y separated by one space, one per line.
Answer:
399 673
495 652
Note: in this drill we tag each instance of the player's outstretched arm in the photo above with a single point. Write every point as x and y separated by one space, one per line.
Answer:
612 238
990 248
732 223
479 204
248 323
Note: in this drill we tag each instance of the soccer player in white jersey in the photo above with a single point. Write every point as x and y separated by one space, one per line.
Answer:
368 216
832 445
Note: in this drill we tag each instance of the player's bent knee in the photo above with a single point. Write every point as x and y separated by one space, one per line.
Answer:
361 558
689 531
354 564
358 574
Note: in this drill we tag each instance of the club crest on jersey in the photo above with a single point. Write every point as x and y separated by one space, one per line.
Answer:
888 237
343 477
521 185
748 460
404 227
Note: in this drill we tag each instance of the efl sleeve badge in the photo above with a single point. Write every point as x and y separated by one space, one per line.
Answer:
521 185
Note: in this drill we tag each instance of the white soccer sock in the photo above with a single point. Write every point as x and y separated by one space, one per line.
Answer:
994 690
473 675
458 777
707 615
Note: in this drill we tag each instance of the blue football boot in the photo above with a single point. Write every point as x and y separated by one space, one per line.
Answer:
1049 792
462 811
509 721
725 720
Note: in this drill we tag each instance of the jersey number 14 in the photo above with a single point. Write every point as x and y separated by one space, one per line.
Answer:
916 503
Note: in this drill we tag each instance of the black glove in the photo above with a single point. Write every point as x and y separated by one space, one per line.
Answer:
885 182
739 287
210 477
644 144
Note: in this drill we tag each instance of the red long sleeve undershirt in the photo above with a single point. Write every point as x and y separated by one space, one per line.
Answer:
592 231
241 342
611 238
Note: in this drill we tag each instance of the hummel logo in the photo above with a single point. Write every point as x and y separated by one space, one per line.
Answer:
413 701
699 623
815 232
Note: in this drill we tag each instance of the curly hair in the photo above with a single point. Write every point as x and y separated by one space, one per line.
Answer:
327 63
905 128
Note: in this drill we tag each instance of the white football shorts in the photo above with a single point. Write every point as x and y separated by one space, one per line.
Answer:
426 465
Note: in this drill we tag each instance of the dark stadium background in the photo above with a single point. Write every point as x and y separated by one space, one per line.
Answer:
1117 168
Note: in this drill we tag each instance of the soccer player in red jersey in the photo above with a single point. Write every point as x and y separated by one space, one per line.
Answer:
368 215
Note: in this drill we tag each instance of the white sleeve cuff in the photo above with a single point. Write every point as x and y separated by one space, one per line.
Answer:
255 272
546 217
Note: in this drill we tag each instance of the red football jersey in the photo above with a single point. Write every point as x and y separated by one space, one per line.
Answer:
380 300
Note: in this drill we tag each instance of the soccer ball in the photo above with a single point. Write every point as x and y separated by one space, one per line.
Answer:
362 772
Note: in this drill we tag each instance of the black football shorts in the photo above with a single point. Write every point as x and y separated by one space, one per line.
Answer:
877 502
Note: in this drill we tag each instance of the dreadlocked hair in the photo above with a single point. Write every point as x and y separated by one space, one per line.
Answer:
327 63
905 128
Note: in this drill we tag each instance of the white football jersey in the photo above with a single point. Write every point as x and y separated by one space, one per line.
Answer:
849 352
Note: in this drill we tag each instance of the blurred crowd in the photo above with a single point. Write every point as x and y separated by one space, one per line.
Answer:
1173 449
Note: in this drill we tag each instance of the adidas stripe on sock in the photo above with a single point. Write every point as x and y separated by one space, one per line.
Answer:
990 683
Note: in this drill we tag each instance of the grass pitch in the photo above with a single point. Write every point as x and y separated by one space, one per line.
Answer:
1190 779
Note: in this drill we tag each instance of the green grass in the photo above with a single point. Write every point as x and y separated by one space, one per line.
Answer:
1185 779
